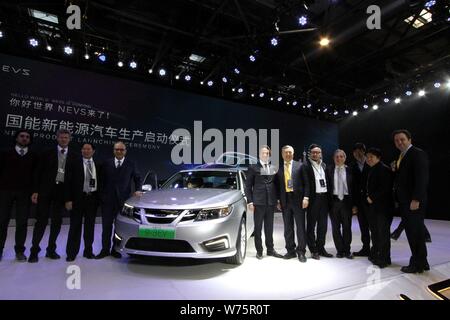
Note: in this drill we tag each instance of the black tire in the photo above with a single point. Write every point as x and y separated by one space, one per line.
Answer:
241 245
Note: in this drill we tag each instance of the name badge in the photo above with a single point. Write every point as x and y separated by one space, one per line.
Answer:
322 183
290 184
61 170
92 183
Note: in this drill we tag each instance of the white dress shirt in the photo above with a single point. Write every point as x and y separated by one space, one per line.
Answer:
340 170
60 148
25 150
116 161
319 174
265 167
93 172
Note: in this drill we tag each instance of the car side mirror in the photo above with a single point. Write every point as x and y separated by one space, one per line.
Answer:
147 187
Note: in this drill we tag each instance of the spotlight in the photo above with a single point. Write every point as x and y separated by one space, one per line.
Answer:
294 103
386 100
397 100
302 20
324 42
279 99
1 34
120 64
355 113
274 42
133 65
210 83
240 90
365 106
448 84
287 102
68 50
187 77
375 107
335 113
325 110
429 4
309 106
162 72
421 93
177 77
236 70
346 112
33 42
233 89
261 95
253 95
252 58
437 85
87 56
201 82
49 48
271 98
408 93
102 57
224 80
150 71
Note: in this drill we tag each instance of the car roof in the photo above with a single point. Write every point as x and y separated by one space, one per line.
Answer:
214 169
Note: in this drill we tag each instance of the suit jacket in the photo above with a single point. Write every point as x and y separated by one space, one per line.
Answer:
116 183
379 188
45 177
299 181
75 174
312 180
349 177
359 183
411 178
17 172
260 189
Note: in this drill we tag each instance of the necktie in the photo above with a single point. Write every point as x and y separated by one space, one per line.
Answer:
22 152
340 186
400 160
266 168
119 164
63 151
287 176
87 180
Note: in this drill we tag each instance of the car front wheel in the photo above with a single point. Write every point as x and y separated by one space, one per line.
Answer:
241 245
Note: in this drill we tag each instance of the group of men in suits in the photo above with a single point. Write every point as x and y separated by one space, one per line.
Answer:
307 193
61 179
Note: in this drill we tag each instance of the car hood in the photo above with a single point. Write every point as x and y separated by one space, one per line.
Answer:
185 198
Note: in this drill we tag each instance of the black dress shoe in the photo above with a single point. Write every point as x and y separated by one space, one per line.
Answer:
259 256
348 256
426 267
428 239
102 255
302 258
290 255
70 259
116 254
325 254
89 255
362 253
411 269
52 255
275 254
21 257
380 264
1 256
395 235
339 255
33 258
315 256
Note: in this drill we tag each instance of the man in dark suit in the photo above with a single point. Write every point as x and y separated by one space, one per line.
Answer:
380 208
411 184
359 172
49 193
318 206
81 196
117 176
341 205
293 193
262 199
17 166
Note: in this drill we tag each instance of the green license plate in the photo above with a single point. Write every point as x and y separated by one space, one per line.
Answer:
155 233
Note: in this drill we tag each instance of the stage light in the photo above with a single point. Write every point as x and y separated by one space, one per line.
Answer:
274 42
375 107
187 77
102 57
309 106
429 4
397 100
271 98
87 56
408 93
261 95
421 93
355 113
120 64
365 106
325 110
1 34
162 72
279 99
335 113
210 83
448 84
133 65
302 20
236 70
386 100
252 58
224 80
33 42
287 102
177 77
294 103
346 112
49 48
201 83
437 85
150 71
252 95
240 90
68 50
324 42
233 89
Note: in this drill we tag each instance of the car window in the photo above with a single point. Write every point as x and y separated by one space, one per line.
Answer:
202 179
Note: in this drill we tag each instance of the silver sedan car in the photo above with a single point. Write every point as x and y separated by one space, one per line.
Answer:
199 213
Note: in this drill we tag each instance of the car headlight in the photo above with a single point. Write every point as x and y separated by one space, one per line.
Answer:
216 213
127 211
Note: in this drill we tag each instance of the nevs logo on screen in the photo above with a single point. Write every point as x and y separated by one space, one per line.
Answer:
16 70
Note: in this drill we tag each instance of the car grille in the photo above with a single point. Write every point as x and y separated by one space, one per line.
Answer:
161 216
159 245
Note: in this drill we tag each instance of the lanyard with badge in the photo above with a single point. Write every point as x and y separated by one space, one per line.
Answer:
321 174
91 175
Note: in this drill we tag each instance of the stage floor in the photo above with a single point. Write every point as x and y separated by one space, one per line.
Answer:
269 278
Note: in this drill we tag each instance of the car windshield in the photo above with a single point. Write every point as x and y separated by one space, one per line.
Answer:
202 179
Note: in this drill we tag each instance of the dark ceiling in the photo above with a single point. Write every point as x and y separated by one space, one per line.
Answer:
360 66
